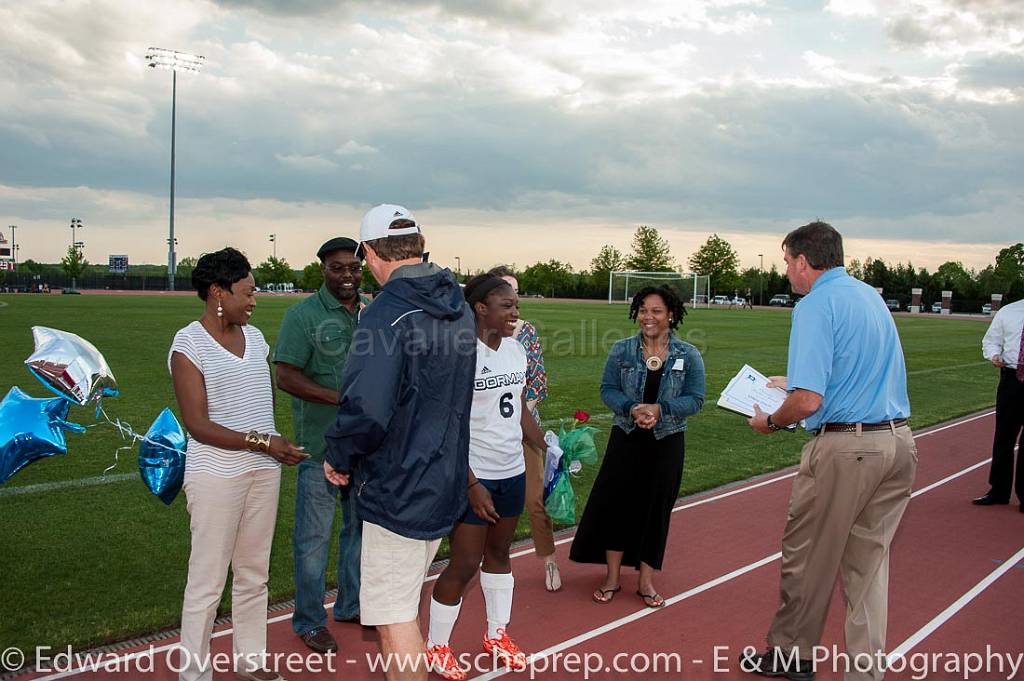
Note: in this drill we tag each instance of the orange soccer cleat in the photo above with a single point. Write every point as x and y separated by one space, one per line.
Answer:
441 660
505 650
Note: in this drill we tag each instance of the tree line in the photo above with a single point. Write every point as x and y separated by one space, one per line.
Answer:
650 252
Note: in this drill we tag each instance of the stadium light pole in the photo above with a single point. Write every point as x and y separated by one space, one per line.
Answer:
14 244
273 240
75 224
760 280
160 58
458 265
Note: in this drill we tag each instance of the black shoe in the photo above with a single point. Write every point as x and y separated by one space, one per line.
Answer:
774 663
989 500
319 640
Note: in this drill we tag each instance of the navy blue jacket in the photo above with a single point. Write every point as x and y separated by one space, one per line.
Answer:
403 414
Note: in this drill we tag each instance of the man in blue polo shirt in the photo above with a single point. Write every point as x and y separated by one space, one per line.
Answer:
309 358
846 376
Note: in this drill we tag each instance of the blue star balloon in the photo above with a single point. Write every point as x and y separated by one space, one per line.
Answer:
162 457
30 429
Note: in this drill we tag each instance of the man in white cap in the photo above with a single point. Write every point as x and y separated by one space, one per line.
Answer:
402 430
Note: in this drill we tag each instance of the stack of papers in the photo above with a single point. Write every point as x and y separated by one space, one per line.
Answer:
750 387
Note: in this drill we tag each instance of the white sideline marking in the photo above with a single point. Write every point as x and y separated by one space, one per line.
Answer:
955 607
66 484
935 370
612 625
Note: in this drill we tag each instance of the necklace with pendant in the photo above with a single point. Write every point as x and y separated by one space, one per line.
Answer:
653 360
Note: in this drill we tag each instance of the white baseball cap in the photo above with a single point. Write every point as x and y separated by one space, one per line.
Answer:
378 221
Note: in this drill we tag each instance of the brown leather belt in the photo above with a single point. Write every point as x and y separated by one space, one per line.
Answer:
865 427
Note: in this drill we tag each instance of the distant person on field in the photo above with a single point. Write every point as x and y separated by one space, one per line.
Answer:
536 392
846 376
1003 345
653 382
233 469
309 358
749 301
401 435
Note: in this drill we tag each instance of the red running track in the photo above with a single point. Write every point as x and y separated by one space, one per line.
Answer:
956 589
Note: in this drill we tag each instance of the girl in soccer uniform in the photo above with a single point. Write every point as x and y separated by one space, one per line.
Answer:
497 483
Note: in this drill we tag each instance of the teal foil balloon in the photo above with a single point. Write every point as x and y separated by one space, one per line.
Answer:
31 428
162 457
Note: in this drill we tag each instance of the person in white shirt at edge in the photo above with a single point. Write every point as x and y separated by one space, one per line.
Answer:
1003 345
225 393
499 422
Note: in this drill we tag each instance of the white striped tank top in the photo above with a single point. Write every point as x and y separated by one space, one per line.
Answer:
239 396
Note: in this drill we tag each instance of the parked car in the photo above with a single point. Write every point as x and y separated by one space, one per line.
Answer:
986 308
936 307
720 300
781 300
893 305
738 300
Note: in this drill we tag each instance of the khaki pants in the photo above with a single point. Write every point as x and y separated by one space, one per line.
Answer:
540 523
232 523
847 501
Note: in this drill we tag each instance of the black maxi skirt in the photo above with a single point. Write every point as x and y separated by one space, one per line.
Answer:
631 503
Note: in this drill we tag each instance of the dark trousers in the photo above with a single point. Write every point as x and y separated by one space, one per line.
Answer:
1009 424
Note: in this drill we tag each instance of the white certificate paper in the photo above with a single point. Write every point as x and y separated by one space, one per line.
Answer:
750 387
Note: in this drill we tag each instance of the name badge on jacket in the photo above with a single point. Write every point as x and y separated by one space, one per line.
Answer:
679 365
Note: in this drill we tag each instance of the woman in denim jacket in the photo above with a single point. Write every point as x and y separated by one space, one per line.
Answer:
652 382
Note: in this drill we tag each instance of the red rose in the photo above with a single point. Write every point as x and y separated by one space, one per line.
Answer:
581 416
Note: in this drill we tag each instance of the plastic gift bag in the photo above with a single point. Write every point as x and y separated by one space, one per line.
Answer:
561 503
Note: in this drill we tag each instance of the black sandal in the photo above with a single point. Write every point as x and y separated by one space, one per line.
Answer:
606 594
654 600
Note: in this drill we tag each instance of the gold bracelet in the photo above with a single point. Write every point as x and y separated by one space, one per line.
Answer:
257 442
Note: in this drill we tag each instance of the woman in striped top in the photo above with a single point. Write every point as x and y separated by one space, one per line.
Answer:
223 386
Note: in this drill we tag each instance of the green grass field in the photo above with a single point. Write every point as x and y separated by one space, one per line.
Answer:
84 565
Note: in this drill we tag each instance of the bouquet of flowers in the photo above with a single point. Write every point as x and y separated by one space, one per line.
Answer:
577 448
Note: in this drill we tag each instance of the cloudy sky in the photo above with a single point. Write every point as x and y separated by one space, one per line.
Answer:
517 130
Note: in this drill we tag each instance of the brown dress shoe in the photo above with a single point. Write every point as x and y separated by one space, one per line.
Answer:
319 640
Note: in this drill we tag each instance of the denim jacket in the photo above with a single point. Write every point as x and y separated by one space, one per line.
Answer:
682 384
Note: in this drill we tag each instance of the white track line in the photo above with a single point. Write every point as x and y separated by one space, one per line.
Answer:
629 618
593 633
645 612
902 649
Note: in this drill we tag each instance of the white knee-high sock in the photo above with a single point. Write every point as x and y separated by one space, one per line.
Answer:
442 621
497 588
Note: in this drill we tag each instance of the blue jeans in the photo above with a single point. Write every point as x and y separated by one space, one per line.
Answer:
315 504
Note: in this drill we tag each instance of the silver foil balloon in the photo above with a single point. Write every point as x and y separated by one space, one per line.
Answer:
70 366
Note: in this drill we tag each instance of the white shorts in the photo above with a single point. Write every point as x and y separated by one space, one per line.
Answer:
392 570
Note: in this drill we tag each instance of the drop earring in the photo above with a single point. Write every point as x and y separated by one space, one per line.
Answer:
220 310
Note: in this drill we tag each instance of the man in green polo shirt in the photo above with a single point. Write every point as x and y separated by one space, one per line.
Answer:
309 359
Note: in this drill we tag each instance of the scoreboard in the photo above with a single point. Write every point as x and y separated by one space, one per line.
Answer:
118 264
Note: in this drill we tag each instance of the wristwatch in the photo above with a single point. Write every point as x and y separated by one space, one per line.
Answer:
771 424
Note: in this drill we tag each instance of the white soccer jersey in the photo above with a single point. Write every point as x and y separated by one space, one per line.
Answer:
495 433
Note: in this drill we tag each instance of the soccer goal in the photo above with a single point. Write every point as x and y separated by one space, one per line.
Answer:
693 289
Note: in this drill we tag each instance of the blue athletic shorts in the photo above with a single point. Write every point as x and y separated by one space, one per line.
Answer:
508 495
